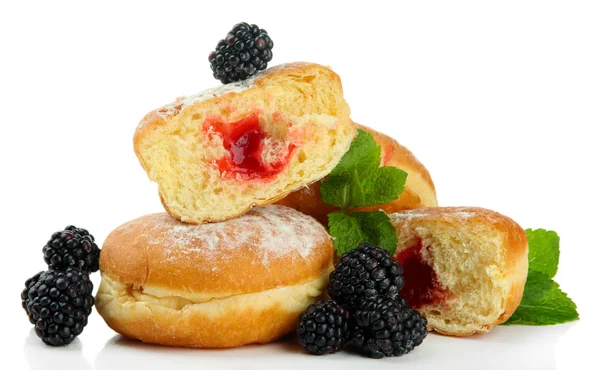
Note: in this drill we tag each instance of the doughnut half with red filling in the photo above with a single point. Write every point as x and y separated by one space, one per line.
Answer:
464 268
218 153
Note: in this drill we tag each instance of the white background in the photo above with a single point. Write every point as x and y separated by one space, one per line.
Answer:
500 100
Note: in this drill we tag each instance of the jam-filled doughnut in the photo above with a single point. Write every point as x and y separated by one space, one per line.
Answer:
218 153
464 268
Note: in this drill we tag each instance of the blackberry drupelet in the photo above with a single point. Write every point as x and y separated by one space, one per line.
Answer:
365 273
24 294
323 328
58 303
245 50
72 247
386 328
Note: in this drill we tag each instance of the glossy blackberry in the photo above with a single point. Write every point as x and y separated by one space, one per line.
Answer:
245 50
28 284
323 328
386 328
72 247
364 273
58 303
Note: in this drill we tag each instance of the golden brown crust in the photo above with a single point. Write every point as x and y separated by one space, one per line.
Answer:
164 118
160 251
514 253
308 201
218 323
241 326
419 190
394 154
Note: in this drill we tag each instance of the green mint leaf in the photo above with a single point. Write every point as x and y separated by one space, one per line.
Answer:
377 229
342 190
384 185
543 303
349 230
346 232
543 251
364 156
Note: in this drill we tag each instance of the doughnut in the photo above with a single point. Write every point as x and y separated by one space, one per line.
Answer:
216 154
464 268
215 285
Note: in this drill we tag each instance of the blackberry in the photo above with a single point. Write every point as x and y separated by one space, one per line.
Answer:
386 328
245 50
323 328
24 294
72 247
58 303
364 273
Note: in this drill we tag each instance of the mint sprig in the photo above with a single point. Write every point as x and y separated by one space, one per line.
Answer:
543 302
358 181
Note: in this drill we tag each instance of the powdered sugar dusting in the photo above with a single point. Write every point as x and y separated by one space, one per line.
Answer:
407 215
215 92
268 232
457 212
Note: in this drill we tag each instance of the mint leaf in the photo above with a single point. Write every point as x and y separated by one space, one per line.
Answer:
358 181
342 190
364 156
377 229
349 230
543 251
346 232
384 185
543 303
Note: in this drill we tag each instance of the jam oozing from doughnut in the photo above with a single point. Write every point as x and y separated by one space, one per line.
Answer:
245 142
421 284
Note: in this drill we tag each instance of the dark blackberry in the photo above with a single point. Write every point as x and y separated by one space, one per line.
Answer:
386 328
72 247
58 303
24 294
364 273
245 50
323 328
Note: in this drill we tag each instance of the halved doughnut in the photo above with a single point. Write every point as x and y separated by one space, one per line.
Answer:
218 153
464 268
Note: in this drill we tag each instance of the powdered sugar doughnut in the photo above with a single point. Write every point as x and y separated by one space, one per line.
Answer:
226 284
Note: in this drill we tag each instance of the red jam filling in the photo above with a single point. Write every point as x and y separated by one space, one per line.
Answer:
421 285
244 140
